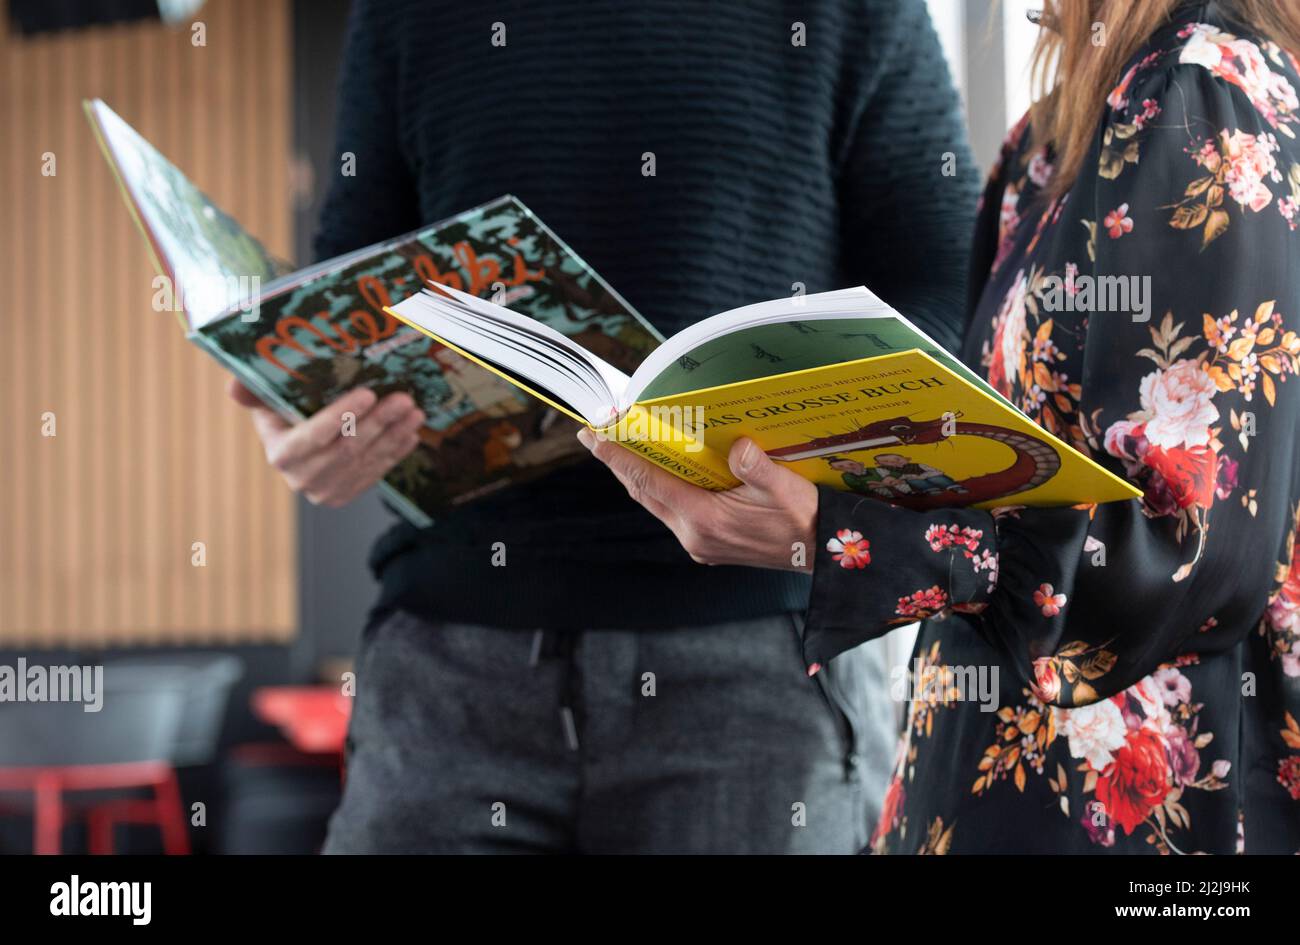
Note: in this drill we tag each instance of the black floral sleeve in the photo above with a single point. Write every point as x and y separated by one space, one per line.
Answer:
1184 213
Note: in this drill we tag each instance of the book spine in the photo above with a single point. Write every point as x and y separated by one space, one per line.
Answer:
668 442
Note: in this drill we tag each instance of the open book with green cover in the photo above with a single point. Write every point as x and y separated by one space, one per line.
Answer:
837 386
300 339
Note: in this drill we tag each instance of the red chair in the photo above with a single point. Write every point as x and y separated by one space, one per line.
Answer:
313 718
49 750
154 713
51 810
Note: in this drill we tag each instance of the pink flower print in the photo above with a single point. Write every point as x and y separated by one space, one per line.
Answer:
1287 207
922 603
1118 222
1047 601
954 536
1175 688
1250 162
850 549
1047 681
1149 110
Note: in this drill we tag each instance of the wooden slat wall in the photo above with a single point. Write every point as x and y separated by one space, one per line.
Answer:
97 523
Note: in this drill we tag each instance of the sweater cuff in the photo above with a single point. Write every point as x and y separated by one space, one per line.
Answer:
879 566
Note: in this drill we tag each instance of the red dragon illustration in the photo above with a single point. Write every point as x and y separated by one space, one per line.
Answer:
1035 462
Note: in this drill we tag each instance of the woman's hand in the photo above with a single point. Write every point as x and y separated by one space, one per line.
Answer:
769 521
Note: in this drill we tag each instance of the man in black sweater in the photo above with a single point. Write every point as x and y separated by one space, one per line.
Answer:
602 692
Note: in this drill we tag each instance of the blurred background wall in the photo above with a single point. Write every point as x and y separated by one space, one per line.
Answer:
99 523
100 520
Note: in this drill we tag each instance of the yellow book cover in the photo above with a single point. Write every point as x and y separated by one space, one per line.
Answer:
911 426
900 427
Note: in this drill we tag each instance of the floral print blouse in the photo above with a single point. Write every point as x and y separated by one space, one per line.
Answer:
1123 677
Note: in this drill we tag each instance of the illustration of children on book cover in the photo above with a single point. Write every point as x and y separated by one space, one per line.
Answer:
893 476
904 479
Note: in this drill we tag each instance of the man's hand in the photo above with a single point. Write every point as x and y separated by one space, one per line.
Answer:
316 458
769 521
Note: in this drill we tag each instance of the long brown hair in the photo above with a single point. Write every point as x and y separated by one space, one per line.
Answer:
1072 73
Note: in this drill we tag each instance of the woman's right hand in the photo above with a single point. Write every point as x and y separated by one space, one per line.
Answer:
341 450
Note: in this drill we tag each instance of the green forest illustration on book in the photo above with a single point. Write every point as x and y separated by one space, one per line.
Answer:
312 342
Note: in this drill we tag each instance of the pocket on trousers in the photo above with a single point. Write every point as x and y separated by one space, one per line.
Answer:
836 706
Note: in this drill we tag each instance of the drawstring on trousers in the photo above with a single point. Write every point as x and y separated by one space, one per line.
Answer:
560 645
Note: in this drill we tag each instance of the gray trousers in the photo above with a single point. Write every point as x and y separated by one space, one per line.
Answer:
711 739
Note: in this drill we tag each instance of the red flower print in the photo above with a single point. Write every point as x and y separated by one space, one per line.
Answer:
1288 775
922 603
1118 222
1047 681
1137 781
892 810
1189 473
1046 601
954 536
1003 355
850 549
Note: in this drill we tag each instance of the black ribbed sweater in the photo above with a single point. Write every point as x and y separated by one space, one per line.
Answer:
776 164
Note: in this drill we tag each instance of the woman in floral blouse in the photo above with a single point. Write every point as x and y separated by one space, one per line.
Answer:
1147 653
